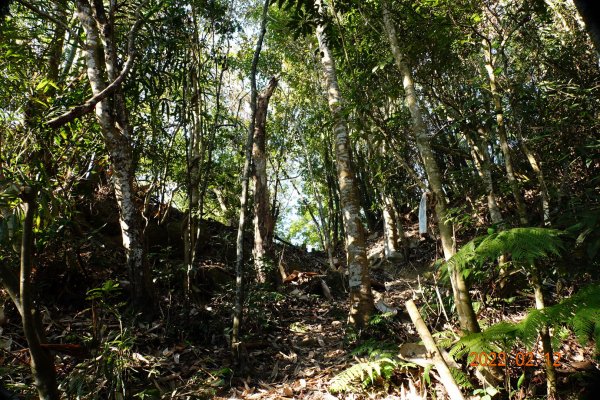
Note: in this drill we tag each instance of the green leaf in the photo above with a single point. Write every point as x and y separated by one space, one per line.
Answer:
521 380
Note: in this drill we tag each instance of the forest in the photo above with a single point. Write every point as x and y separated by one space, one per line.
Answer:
299 199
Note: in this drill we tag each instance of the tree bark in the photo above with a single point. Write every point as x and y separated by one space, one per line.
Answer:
263 223
236 346
590 12
42 361
112 117
195 159
361 298
537 168
502 134
440 364
483 164
390 230
545 336
462 298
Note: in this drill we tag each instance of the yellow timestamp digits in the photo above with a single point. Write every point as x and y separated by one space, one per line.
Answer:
519 359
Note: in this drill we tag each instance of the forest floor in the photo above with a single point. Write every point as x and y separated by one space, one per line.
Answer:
296 339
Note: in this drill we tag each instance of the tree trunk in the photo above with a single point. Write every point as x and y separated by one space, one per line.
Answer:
361 298
440 364
325 230
402 241
237 348
390 230
502 134
462 298
545 336
483 164
112 116
263 224
537 168
195 158
42 361
590 12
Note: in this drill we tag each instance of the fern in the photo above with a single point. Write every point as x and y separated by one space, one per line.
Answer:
461 378
524 245
494 339
380 362
580 312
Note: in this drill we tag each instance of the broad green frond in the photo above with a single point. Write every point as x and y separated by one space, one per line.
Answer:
381 362
580 312
524 245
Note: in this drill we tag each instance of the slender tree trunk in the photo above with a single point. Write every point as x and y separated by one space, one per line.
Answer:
537 168
333 208
112 116
390 230
361 297
462 298
502 134
236 346
263 225
483 164
195 154
325 230
394 240
402 242
446 377
42 362
545 337
223 204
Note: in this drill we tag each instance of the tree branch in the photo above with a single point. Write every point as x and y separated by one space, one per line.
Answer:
44 14
89 105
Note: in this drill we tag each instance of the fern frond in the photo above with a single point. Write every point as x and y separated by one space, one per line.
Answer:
580 312
525 245
461 378
346 380
382 361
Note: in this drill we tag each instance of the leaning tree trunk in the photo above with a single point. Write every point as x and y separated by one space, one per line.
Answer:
263 224
112 116
462 298
361 298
